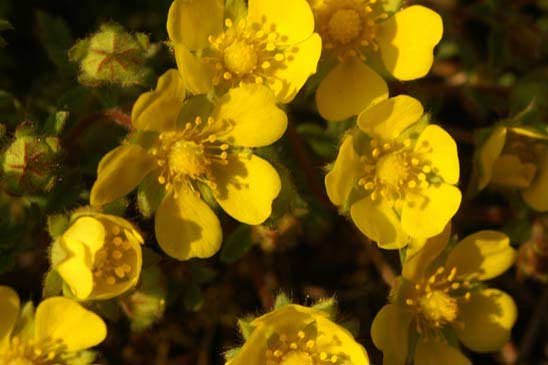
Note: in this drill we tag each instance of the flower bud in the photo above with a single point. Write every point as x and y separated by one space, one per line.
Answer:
29 163
112 56
98 256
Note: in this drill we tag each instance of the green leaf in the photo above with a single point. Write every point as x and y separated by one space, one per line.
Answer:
201 274
146 305
56 122
193 298
236 244
4 25
55 37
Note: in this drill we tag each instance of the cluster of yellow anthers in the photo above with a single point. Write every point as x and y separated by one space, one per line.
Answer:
56 334
440 293
300 335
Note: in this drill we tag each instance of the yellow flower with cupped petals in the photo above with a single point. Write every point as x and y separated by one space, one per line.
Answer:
55 335
443 295
209 146
98 256
396 180
299 335
273 45
355 31
516 157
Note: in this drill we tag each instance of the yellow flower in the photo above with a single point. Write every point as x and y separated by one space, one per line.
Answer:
296 335
274 45
98 256
208 147
436 299
396 180
352 32
516 157
55 335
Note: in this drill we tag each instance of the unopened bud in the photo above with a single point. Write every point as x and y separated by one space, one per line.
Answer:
29 164
533 254
112 56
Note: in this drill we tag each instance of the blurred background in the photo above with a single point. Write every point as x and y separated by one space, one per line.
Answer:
490 66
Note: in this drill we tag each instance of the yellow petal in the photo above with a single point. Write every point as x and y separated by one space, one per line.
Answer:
122 171
485 322
431 352
336 339
196 75
484 255
191 22
158 110
186 227
407 41
389 332
246 187
9 313
64 319
388 118
348 89
437 146
419 258
293 19
426 214
508 170
289 79
379 222
342 178
86 230
489 152
75 269
536 195
255 119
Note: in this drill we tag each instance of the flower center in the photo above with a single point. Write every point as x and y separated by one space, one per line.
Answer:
300 349
436 300
116 261
189 153
348 27
345 25
187 158
249 53
240 58
45 352
439 307
297 358
393 169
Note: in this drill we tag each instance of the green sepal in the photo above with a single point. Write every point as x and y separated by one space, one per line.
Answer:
53 284
195 106
231 354
235 10
246 329
327 305
281 301
24 327
82 358
57 224
149 195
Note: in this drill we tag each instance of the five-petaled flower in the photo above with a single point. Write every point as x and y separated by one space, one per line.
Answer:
299 335
208 146
516 157
54 335
352 32
396 179
440 296
98 256
274 45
